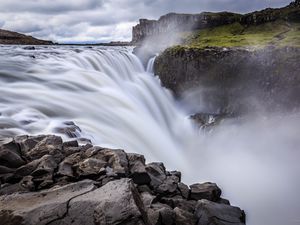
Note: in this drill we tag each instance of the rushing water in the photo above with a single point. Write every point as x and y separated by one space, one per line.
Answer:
117 103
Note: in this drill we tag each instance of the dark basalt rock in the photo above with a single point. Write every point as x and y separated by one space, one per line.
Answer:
57 182
210 213
209 191
231 81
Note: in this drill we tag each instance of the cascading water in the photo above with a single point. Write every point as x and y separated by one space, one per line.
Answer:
116 103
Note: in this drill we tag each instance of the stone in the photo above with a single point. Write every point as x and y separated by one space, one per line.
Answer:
178 202
99 206
184 190
157 173
27 183
161 214
183 217
27 143
168 186
210 213
49 145
10 155
90 166
137 169
223 201
65 169
209 191
4 170
229 76
40 207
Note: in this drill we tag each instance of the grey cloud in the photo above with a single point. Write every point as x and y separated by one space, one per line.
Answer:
48 6
105 20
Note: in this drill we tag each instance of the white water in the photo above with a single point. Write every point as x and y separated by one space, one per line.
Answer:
116 103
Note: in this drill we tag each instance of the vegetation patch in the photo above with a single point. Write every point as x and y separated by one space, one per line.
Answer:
279 33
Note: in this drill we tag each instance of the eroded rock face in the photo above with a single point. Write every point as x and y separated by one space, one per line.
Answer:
58 183
210 213
231 81
174 22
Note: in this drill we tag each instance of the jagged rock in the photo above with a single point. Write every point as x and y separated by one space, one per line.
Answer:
117 202
49 187
209 191
4 170
147 199
72 144
90 166
183 217
27 183
40 207
223 201
160 214
174 22
65 169
70 129
157 173
210 213
10 156
51 145
184 190
27 143
176 201
230 76
169 185
137 169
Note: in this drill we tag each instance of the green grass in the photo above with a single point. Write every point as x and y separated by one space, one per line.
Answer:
279 33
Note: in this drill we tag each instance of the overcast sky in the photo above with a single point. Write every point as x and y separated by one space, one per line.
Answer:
68 21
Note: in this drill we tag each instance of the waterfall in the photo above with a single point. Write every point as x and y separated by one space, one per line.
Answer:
150 65
114 102
105 92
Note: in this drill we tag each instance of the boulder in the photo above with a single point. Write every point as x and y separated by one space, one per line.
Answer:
183 217
157 173
40 207
209 191
117 202
210 213
10 155
137 169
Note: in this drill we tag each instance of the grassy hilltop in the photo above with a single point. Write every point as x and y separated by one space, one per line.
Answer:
270 27
279 33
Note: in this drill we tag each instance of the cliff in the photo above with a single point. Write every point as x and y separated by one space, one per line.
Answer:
174 22
14 38
233 80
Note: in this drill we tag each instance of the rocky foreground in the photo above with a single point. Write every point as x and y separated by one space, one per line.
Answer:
47 181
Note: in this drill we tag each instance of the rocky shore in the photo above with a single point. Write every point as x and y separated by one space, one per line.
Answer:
47 181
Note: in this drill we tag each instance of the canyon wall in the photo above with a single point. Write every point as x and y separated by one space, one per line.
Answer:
174 22
233 80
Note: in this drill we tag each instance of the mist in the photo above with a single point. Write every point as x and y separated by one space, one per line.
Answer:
253 156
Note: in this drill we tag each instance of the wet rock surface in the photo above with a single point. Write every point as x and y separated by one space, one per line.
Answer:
231 81
47 181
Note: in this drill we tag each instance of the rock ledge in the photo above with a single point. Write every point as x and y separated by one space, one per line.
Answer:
47 181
